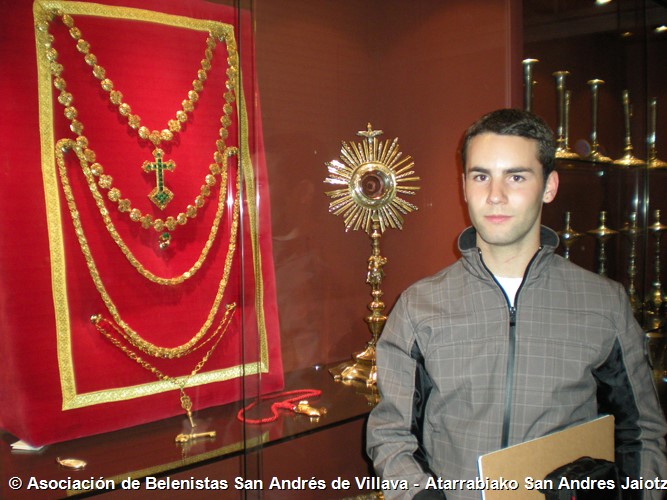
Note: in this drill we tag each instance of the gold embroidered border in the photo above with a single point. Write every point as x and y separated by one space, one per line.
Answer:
71 398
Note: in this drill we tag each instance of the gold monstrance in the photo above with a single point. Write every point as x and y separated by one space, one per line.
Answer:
373 174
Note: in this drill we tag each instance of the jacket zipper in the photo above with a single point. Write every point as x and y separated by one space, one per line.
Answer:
511 348
509 374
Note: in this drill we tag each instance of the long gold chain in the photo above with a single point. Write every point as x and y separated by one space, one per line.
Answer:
180 382
116 97
65 145
105 181
132 336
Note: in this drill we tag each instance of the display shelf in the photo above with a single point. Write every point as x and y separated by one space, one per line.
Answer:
150 449
622 45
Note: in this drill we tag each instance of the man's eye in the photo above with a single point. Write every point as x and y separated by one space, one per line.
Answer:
518 178
479 177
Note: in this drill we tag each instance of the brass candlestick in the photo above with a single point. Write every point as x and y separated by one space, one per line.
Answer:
373 174
567 236
528 83
568 98
594 154
653 161
602 233
656 301
631 230
562 148
628 159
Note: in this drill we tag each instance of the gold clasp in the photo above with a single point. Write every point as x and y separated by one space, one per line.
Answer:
305 409
184 438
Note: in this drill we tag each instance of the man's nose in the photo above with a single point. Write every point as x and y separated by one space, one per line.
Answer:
496 192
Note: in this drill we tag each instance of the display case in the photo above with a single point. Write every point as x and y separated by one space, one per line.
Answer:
84 261
609 59
307 76
133 297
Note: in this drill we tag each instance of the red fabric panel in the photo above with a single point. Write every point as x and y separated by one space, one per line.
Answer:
153 65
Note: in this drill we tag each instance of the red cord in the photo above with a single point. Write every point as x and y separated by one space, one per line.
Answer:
285 404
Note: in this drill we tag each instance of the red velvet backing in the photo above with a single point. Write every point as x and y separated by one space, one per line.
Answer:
153 65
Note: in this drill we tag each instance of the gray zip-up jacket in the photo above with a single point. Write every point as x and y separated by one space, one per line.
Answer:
461 373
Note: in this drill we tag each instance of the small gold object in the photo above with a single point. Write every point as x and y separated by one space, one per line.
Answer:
71 463
305 409
165 240
185 438
628 159
373 175
594 154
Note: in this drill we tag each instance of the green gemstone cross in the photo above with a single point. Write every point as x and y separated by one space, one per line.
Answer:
160 195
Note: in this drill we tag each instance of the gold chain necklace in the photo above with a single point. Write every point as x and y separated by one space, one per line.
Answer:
65 145
180 382
116 97
132 336
160 194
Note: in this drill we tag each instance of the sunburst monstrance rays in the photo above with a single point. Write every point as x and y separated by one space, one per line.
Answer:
374 174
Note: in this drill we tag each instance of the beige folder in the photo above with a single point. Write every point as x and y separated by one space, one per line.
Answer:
529 462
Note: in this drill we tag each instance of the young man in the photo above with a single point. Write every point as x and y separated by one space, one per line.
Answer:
512 341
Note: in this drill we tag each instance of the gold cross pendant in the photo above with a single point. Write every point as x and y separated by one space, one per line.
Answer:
160 195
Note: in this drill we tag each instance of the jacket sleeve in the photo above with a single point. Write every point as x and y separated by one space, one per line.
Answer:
626 390
396 424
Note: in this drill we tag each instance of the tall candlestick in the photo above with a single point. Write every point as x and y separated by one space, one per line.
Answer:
602 233
656 301
595 154
628 159
567 236
562 147
653 161
528 83
631 230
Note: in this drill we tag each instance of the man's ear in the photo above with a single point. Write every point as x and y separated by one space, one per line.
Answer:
551 187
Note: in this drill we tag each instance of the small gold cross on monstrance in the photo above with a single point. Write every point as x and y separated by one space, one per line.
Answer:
370 134
160 195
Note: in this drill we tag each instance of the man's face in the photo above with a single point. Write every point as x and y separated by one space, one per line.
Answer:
504 188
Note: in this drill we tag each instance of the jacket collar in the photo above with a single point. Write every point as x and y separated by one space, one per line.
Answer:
472 257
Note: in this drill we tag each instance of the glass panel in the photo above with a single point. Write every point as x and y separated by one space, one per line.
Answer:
135 221
325 72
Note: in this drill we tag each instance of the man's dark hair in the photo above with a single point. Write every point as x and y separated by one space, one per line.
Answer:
519 123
